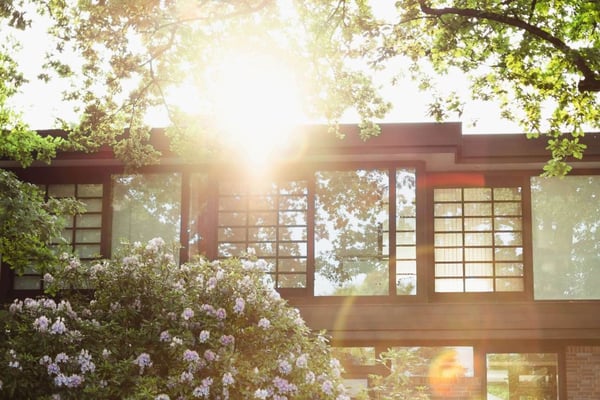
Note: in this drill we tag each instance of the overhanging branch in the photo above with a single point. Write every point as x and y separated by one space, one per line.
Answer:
590 81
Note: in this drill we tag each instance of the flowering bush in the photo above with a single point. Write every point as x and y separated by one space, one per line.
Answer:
154 330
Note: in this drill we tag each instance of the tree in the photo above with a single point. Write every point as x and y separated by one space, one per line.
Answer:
539 58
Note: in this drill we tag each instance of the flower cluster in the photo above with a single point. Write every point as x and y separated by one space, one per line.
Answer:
202 330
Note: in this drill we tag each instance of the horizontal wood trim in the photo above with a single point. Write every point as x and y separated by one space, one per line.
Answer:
531 321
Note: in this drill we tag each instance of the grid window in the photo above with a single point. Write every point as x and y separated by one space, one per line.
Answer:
478 240
270 222
82 232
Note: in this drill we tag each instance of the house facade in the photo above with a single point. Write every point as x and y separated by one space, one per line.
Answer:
448 248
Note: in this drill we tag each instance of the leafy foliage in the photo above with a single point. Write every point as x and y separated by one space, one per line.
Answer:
540 59
29 223
156 330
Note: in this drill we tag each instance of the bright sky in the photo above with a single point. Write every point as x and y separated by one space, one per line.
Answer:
41 103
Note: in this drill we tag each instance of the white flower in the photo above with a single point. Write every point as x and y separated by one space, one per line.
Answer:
261 394
165 336
204 335
228 379
264 323
187 313
41 324
58 327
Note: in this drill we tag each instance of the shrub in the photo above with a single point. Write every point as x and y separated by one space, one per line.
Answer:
154 330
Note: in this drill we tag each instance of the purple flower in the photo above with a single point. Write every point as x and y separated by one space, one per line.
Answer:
209 355
187 313
226 340
264 323
190 356
204 335
221 314
238 308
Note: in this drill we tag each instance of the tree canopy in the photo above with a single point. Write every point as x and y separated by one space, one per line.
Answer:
539 59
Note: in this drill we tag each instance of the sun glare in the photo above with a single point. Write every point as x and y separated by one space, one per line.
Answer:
257 105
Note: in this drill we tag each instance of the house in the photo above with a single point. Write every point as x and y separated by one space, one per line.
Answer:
449 248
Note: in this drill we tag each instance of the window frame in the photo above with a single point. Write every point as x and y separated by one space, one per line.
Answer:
476 179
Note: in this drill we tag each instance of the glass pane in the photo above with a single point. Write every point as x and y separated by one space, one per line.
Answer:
478 254
88 236
478 194
509 285
292 265
447 195
87 250
443 270
507 209
145 207
262 234
92 205
508 239
478 209
351 216
89 190
262 249
232 219
406 252
292 249
479 285
478 239
232 234
479 269
354 356
508 224
406 284
291 280
88 221
447 285
448 209
478 224
61 190
530 376
452 362
262 218
232 249
27 282
507 194
509 254
232 203
566 237
448 224
509 269
293 202
442 255
406 238
448 239
287 233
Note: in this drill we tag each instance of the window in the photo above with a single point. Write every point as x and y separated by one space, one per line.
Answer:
566 237
522 376
82 232
269 221
338 223
145 207
478 239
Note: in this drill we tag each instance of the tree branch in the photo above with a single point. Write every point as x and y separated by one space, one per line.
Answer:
590 81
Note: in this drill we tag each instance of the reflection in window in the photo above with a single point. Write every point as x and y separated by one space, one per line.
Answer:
351 221
354 356
566 237
532 376
81 232
268 221
144 207
478 240
352 232
444 361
